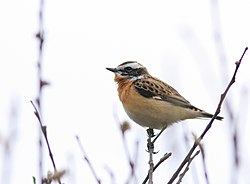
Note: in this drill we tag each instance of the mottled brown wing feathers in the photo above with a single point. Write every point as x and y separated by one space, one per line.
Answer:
158 90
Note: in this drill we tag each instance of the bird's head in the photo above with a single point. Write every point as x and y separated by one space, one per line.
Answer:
130 70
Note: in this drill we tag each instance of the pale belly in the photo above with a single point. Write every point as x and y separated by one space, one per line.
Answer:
155 113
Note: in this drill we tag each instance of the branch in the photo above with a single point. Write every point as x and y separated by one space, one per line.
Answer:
196 143
40 37
165 157
44 131
151 152
132 164
41 82
88 161
187 167
124 127
201 147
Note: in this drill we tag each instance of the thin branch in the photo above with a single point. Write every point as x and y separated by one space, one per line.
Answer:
196 143
133 164
181 176
165 157
44 131
40 37
204 163
158 135
203 159
124 127
150 146
88 161
186 139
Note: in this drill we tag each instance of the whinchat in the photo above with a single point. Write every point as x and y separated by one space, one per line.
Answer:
149 101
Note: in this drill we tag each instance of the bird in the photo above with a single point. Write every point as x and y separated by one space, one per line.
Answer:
150 102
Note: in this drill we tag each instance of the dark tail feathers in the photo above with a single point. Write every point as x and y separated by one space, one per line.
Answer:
211 115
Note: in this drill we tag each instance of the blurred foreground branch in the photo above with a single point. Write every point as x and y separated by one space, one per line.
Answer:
87 160
44 131
197 142
40 38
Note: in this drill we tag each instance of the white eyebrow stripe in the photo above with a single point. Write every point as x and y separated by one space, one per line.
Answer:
134 65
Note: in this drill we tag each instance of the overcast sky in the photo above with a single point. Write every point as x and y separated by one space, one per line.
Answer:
191 45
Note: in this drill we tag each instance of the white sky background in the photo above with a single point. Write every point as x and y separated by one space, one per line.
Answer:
173 39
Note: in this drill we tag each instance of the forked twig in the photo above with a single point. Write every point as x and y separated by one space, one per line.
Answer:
196 143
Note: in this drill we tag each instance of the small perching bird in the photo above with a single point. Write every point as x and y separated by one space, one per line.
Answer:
149 101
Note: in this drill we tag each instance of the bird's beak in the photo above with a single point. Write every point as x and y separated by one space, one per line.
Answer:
112 69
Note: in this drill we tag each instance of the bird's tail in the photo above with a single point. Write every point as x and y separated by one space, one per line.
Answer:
207 115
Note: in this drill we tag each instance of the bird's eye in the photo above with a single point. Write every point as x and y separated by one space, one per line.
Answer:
128 69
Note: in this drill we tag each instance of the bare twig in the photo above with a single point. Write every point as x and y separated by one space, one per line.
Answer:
124 127
44 131
41 82
204 163
203 159
136 157
132 164
40 37
181 176
88 161
158 135
236 125
220 49
150 146
196 143
186 139
165 157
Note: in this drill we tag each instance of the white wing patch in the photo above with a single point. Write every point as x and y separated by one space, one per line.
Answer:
157 97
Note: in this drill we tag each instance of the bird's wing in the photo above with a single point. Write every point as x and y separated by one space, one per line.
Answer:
154 88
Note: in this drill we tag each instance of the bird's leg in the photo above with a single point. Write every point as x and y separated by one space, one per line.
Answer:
150 144
162 130
151 134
